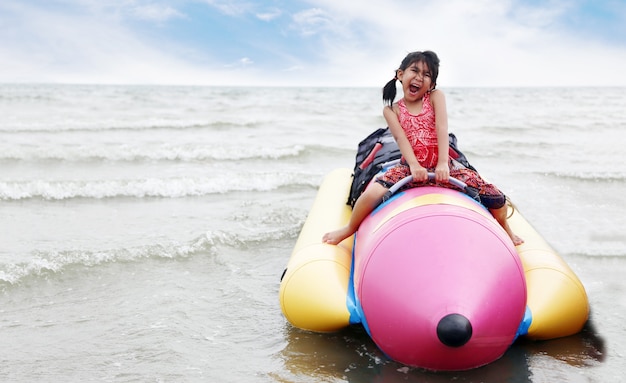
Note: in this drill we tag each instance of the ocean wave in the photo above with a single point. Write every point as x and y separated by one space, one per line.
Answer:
152 187
52 262
44 264
165 152
617 256
610 177
164 125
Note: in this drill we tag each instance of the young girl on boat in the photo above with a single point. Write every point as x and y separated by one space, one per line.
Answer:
423 142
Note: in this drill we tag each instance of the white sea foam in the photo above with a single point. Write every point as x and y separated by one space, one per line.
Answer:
145 152
151 187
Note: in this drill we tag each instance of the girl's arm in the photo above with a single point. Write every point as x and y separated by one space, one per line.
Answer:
418 172
438 100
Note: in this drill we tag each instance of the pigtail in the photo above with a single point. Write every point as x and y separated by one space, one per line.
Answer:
389 92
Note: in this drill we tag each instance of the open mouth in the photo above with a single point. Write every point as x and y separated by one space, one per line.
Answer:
413 89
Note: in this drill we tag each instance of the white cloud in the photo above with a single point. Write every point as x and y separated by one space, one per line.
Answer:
269 15
242 62
311 21
485 43
156 12
230 7
43 46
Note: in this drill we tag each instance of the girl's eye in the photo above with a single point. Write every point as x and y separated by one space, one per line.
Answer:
427 74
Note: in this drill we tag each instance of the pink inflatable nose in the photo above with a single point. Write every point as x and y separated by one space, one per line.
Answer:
439 281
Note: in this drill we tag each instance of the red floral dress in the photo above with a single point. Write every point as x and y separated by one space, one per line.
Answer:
421 132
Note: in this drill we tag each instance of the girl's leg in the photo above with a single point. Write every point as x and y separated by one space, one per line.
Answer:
500 216
364 205
490 195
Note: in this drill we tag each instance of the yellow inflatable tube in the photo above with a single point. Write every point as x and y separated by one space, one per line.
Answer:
314 286
555 296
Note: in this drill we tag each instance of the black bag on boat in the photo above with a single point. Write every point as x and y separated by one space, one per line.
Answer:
375 150
379 148
456 154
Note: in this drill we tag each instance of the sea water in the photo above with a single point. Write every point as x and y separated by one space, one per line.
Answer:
144 229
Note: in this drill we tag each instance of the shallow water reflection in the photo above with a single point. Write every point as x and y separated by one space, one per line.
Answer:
351 356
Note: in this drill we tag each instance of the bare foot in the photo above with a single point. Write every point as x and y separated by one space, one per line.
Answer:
517 240
500 216
334 237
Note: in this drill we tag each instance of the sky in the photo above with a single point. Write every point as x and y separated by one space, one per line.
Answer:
346 43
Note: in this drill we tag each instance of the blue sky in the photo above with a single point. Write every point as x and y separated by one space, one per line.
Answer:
312 43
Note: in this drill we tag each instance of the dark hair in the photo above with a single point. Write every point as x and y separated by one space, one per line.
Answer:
428 57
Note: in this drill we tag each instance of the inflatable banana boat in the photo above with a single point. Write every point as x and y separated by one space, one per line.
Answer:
430 274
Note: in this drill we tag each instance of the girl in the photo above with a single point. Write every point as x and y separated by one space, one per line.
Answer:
423 142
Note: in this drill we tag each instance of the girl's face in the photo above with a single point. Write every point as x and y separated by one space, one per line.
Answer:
416 80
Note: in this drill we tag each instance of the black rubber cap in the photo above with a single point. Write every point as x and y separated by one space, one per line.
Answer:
454 330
